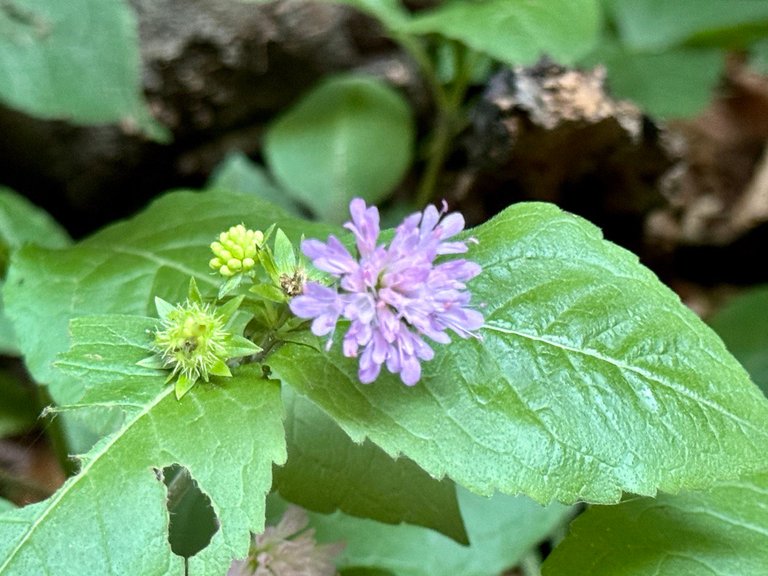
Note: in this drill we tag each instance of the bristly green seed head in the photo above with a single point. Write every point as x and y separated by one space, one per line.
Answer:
197 340
193 341
235 251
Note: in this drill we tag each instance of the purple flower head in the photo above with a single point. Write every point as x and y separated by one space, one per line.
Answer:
392 295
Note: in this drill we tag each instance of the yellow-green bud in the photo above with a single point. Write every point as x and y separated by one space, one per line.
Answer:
235 251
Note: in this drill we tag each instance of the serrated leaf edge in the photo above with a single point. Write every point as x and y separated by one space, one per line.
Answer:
91 460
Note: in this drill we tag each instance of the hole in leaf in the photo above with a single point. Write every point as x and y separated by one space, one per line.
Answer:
192 519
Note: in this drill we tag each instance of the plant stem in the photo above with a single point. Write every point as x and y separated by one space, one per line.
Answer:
269 341
416 51
449 122
56 435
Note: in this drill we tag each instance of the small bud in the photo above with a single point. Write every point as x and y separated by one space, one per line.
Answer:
236 250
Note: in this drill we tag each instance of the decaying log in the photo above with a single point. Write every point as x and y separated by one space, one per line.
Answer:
718 192
555 134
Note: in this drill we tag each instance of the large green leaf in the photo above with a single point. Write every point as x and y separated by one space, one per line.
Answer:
722 532
326 471
660 24
351 136
20 223
591 378
111 517
502 529
76 60
743 326
515 31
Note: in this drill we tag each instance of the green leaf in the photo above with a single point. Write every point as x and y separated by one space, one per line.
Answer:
660 24
743 326
501 529
591 379
182 385
18 406
515 31
326 471
721 532
121 269
6 505
672 84
351 136
114 510
20 223
237 173
390 12
285 257
76 60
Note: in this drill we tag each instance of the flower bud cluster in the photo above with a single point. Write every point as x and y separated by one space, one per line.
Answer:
235 251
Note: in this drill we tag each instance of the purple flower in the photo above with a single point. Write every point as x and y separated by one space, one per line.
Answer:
392 295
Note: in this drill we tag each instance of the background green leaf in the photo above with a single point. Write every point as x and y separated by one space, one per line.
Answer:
592 378
326 471
743 326
501 529
20 223
191 519
350 136
112 517
659 24
76 60
675 83
237 173
515 31
722 532
390 12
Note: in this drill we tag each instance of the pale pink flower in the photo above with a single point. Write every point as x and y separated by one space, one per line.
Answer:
288 549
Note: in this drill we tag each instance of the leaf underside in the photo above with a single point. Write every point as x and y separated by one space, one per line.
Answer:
720 532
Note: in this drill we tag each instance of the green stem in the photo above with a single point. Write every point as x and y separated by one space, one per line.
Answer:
55 432
415 50
270 340
449 122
